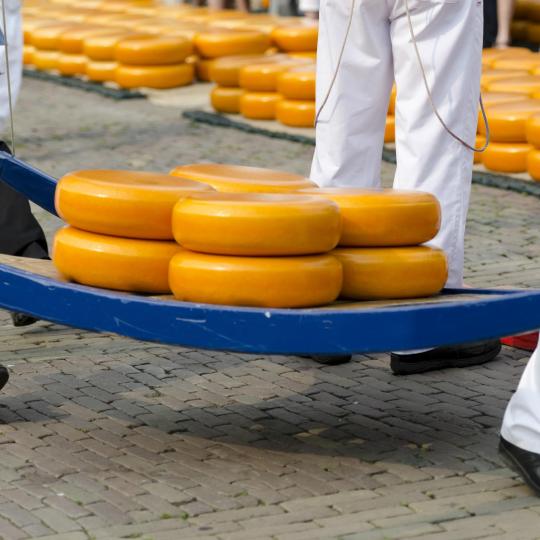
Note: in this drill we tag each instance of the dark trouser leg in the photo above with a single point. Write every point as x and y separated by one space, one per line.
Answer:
490 23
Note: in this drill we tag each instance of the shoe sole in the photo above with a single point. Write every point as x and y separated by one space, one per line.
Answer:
410 368
514 465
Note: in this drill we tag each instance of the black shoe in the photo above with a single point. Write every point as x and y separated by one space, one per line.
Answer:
527 464
468 354
4 377
330 359
21 319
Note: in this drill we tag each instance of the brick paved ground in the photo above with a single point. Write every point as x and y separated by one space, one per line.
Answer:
106 438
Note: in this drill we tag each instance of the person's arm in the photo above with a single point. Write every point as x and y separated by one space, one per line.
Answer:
310 8
505 12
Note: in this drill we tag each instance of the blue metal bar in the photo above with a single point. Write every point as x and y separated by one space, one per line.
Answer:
270 331
33 183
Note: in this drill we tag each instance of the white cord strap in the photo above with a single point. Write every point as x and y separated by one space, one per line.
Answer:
8 75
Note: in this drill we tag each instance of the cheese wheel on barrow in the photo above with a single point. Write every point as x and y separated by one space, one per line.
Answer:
296 113
226 100
159 77
101 71
259 105
47 36
202 67
264 77
392 273
525 63
154 51
533 164
115 263
507 157
214 43
296 38
72 41
103 48
480 142
122 203
28 54
272 282
298 83
254 224
72 64
385 217
239 179
533 130
226 71
508 121
45 60
525 86
491 75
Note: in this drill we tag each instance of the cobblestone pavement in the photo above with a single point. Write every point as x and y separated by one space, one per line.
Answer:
107 438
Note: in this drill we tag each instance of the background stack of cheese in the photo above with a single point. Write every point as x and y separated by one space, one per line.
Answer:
526 25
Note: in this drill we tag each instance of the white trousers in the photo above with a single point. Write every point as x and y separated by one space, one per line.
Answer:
521 424
15 41
350 131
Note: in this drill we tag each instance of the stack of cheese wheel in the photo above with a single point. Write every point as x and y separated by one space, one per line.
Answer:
380 245
526 23
120 233
533 138
300 38
509 149
297 89
255 249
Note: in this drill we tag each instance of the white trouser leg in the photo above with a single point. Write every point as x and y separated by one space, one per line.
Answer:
15 40
350 132
521 424
449 36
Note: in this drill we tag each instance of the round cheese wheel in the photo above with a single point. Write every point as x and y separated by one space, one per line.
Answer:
533 130
47 37
115 263
296 38
264 77
390 129
533 32
31 24
533 164
380 218
154 76
101 71
226 71
525 63
526 86
480 142
46 60
102 48
259 105
496 98
153 51
392 104
226 100
72 64
272 282
72 41
308 55
122 203
392 273
296 113
202 69
220 42
508 158
239 179
254 224
508 121
28 54
492 75
298 83
490 55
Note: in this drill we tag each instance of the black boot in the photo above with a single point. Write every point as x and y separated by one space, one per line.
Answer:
4 377
466 355
330 359
526 464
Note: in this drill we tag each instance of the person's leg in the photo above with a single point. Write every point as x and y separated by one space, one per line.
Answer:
490 23
520 432
350 131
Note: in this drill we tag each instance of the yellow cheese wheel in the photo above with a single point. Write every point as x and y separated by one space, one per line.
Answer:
28 54
72 41
298 83
392 104
273 282
533 164
533 130
122 203
226 100
381 218
220 42
492 75
297 38
526 86
508 121
239 179
296 113
390 129
154 76
32 24
72 64
308 55
103 48
255 224
259 105
47 37
226 71
202 69
480 142
525 63
520 30
101 71
533 32
392 273
508 158
46 60
264 77
490 55
115 263
153 51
